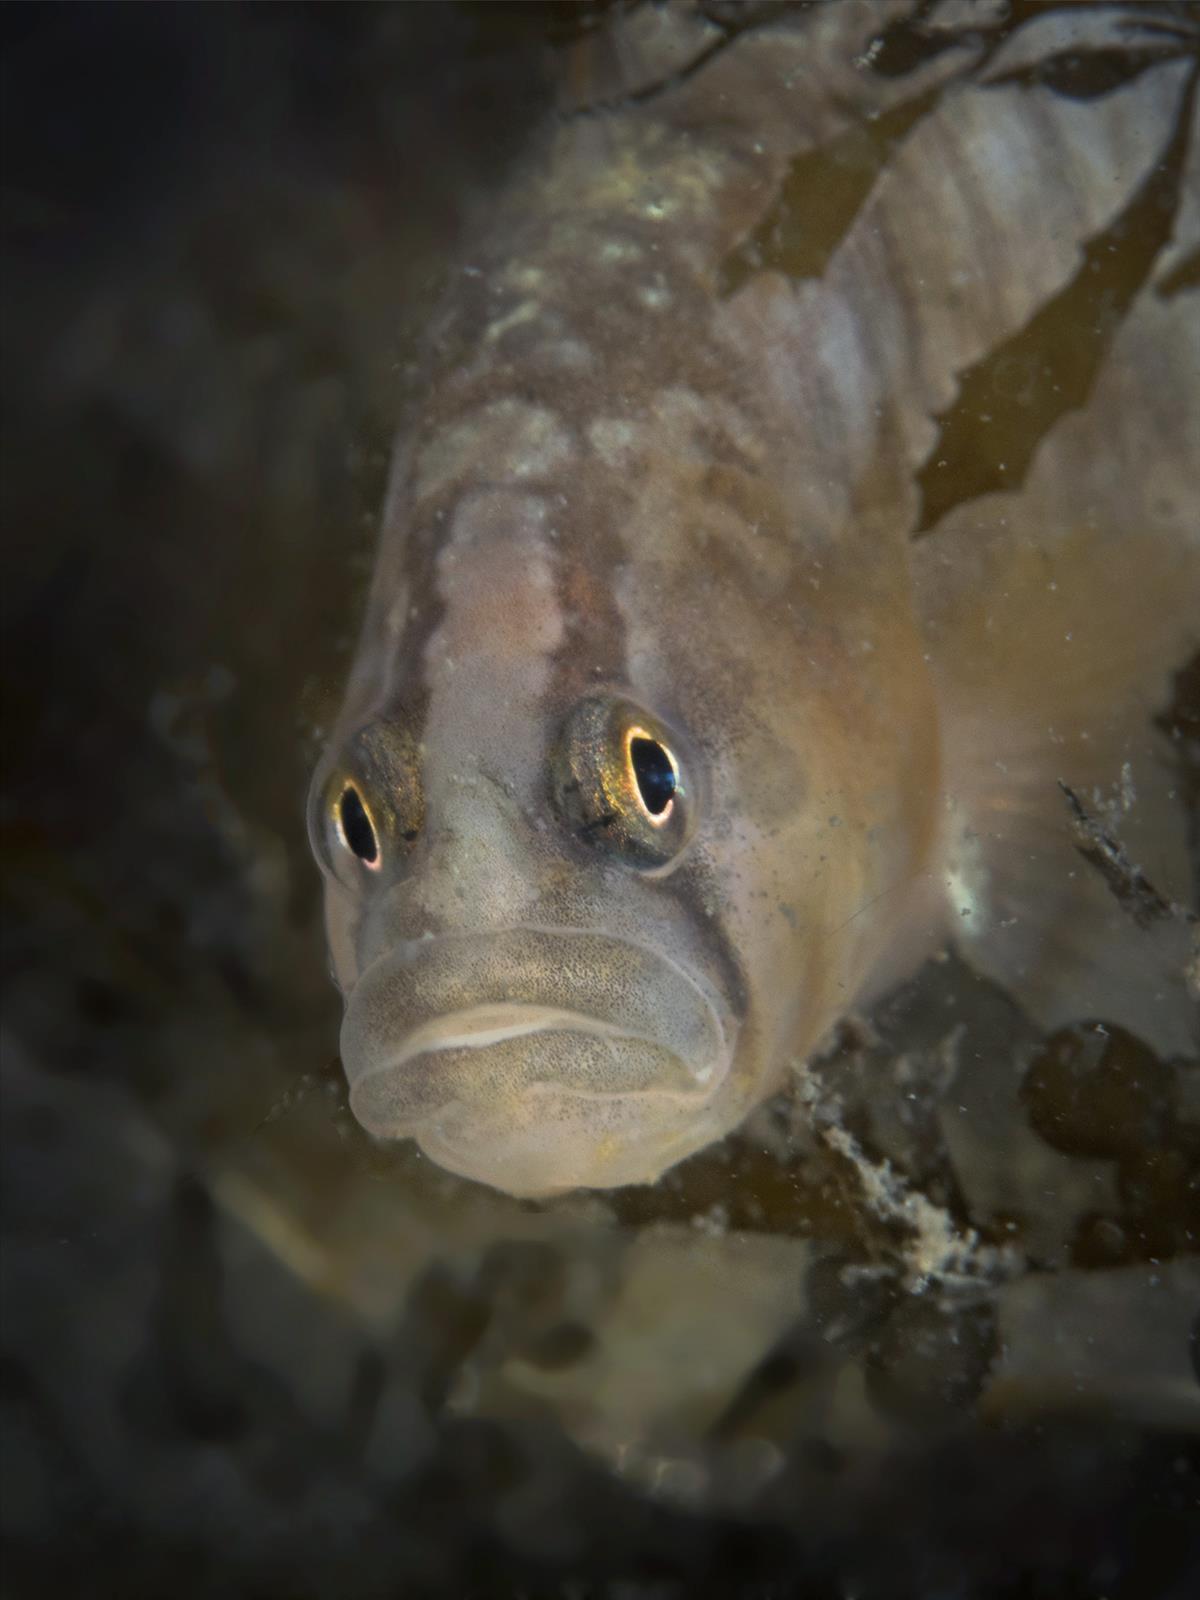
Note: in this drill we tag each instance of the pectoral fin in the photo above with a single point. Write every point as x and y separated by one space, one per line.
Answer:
1057 619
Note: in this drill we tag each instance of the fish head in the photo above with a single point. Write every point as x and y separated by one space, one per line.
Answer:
589 842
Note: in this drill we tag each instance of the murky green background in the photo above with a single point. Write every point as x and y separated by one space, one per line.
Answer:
242 1349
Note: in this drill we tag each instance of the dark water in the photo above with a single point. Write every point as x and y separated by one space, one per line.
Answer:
944 1344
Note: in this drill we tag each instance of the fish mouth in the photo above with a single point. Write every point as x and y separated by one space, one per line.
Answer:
484 1027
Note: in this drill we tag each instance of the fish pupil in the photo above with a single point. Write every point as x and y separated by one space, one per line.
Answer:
654 773
356 825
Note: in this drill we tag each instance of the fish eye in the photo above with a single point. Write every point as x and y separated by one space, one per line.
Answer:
654 772
621 784
366 804
355 828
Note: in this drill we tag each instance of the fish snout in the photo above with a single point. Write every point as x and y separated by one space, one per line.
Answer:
532 1059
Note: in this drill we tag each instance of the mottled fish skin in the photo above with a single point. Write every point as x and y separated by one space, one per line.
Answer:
631 499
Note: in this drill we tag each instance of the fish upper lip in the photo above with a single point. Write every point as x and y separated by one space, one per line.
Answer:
408 999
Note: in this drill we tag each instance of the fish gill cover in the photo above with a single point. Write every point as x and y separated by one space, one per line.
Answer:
927 1321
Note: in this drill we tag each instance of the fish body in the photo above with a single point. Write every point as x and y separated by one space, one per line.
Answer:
669 741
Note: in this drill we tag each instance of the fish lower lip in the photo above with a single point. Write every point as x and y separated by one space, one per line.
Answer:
516 1010
492 1071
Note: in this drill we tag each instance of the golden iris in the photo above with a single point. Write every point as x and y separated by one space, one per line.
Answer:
619 782
368 805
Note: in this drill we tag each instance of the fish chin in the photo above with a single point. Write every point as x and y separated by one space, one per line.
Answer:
530 1096
550 1139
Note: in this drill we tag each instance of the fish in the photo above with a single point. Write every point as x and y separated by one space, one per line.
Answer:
795 534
